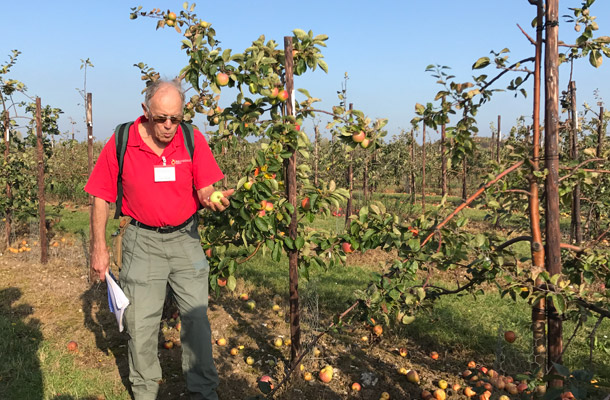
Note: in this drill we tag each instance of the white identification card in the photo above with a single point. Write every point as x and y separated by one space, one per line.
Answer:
165 174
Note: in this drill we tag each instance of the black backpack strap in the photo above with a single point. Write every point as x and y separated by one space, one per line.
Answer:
189 137
121 134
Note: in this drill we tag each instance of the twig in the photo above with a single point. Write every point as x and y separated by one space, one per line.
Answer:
532 41
575 169
592 336
525 192
251 255
578 326
472 198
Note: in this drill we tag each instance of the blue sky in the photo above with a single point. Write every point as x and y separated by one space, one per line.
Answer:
384 46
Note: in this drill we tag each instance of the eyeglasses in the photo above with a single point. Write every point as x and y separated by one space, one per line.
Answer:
160 119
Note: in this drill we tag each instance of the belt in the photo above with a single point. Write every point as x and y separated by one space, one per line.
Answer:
162 229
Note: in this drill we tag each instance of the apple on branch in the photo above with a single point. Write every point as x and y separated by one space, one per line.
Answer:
222 79
358 137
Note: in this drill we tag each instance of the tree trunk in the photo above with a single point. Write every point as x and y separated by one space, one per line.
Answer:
291 194
9 195
551 129
412 168
423 169
44 248
443 160
537 248
365 180
316 155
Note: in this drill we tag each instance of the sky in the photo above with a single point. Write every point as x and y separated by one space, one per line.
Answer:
384 46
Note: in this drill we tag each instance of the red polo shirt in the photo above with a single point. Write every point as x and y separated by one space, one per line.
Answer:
155 203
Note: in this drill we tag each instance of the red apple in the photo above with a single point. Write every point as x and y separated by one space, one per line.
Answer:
510 336
221 341
305 203
356 387
434 355
326 374
283 95
168 344
243 296
72 346
402 351
222 282
222 79
208 253
358 137
347 247
274 93
378 330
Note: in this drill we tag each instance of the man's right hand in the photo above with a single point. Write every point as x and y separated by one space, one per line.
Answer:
100 261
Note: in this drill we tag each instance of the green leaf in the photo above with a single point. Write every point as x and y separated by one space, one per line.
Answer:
300 34
261 224
595 58
323 65
299 243
481 63
231 283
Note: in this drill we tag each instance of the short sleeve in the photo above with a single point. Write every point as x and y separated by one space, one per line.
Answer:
206 171
102 182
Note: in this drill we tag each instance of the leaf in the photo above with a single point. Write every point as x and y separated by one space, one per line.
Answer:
595 58
300 34
299 243
261 224
481 63
323 65
419 109
231 283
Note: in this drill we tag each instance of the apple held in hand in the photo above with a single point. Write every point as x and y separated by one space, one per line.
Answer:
216 197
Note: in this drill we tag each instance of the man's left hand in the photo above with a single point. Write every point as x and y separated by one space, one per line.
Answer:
216 206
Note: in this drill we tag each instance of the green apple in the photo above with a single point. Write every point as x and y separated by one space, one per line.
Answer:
216 196
248 185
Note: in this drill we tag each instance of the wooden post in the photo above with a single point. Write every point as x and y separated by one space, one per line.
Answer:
9 194
41 202
423 169
365 180
412 169
93 276
536 247
443 159
350 183
576 229
291 193
498 139
316 155
551 129
600 133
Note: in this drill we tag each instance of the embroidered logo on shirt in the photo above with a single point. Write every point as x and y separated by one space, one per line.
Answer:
178 162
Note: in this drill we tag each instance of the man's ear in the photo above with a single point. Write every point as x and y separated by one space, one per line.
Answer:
145 109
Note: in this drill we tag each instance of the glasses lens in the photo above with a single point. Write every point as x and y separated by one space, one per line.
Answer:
160 119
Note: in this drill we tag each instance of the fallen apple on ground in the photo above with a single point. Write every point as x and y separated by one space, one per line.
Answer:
72 346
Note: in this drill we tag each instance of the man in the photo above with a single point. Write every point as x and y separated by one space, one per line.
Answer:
162 190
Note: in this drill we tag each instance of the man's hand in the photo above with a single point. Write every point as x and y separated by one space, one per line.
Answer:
100 261
204 198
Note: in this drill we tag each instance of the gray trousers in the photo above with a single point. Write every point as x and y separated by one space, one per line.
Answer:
150 261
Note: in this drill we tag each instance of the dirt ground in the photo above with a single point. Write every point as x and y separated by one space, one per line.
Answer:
62 284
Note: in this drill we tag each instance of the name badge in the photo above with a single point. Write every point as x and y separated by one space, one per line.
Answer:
165 174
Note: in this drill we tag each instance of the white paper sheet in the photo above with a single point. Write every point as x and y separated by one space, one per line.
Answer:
117 301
